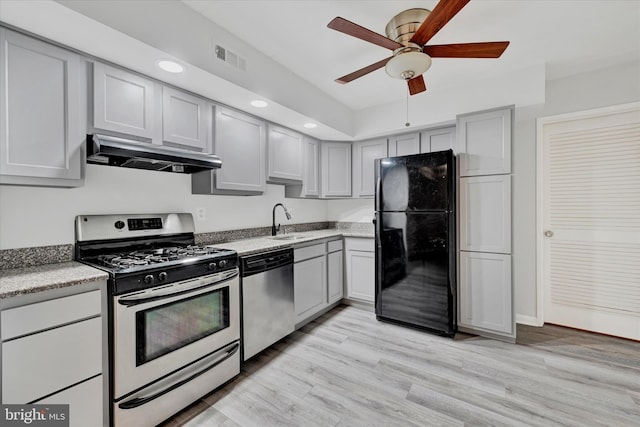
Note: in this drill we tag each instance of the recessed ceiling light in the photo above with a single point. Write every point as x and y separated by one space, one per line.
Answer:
310 125
170 66
259 103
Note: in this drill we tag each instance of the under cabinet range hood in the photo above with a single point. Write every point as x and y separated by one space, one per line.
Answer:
113 151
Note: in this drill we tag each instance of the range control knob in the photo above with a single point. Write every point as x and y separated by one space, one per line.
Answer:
148 279
212 266
222 263
119 225
162 276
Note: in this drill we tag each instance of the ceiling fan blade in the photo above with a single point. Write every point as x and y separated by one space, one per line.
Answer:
416 85
466 50
362 71
439 16
355 30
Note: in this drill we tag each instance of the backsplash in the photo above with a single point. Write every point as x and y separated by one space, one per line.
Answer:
215 237
29 257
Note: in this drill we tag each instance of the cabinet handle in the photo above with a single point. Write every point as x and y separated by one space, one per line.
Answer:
548 233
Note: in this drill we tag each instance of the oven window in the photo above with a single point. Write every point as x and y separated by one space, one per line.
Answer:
162 329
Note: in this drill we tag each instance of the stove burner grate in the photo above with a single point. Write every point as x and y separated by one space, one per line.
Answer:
154 256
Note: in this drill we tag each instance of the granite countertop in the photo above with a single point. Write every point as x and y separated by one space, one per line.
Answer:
268 243
19 281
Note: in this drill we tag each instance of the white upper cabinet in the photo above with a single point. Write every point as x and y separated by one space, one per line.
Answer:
440 139
310 186
364 155
123 102
285 149
40 117
485 214
336 169
240 142
311 179
184 120
484 141
404 145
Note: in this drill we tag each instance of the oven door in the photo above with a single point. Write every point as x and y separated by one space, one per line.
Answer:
160 330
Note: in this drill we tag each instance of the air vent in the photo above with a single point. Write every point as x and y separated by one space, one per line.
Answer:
230 58
220 52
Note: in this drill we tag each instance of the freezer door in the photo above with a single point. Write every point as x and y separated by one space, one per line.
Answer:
421 182
415 276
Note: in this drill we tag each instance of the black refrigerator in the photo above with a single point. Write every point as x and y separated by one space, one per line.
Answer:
415 227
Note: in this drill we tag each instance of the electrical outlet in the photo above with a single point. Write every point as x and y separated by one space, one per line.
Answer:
201 214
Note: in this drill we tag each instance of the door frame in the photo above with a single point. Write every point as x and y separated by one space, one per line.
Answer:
540 123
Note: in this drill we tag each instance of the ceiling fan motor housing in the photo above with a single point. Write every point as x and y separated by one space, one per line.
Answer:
408 61
404 25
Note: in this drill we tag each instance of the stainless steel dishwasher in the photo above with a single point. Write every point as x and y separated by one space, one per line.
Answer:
268 314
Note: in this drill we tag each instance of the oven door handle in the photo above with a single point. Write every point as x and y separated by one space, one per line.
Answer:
174 290
139 401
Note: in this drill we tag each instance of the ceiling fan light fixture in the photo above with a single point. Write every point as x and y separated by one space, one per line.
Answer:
408 65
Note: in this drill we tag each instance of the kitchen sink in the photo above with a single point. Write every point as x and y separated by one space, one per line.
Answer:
287 237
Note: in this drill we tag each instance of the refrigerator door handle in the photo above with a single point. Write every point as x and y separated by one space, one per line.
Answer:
378 185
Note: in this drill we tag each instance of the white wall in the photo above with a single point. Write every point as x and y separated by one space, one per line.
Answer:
608 86
39 216
350 210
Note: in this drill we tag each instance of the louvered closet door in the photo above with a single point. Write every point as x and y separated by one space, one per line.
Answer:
591 220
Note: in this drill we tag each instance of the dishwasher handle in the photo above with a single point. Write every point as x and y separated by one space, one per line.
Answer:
260 263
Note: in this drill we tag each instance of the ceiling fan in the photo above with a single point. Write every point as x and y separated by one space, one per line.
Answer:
407 35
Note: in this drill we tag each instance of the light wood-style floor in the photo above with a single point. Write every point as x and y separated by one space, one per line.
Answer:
348 369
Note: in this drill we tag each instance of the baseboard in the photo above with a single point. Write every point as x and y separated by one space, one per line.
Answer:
528 320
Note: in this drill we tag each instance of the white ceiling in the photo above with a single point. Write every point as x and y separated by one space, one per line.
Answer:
566 36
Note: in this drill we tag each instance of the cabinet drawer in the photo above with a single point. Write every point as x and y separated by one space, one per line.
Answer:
334 245
300 254
48 314
41 364
84 400
359 244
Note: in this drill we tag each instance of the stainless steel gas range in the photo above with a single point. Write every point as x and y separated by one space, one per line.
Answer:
174 310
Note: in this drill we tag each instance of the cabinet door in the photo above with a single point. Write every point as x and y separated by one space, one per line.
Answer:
184 120
240 143
310 287
335 276
364 154
485 214
484 141
311 180
122 101
43 363
84 400
285 154
438 140
485 293
404 145
39 112
336 169
361 275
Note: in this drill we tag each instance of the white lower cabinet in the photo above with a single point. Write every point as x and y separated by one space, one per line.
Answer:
310 286
485 293
317 278
52 352
335 273
84 411
360 268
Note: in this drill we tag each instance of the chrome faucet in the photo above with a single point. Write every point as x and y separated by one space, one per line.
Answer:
274 229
